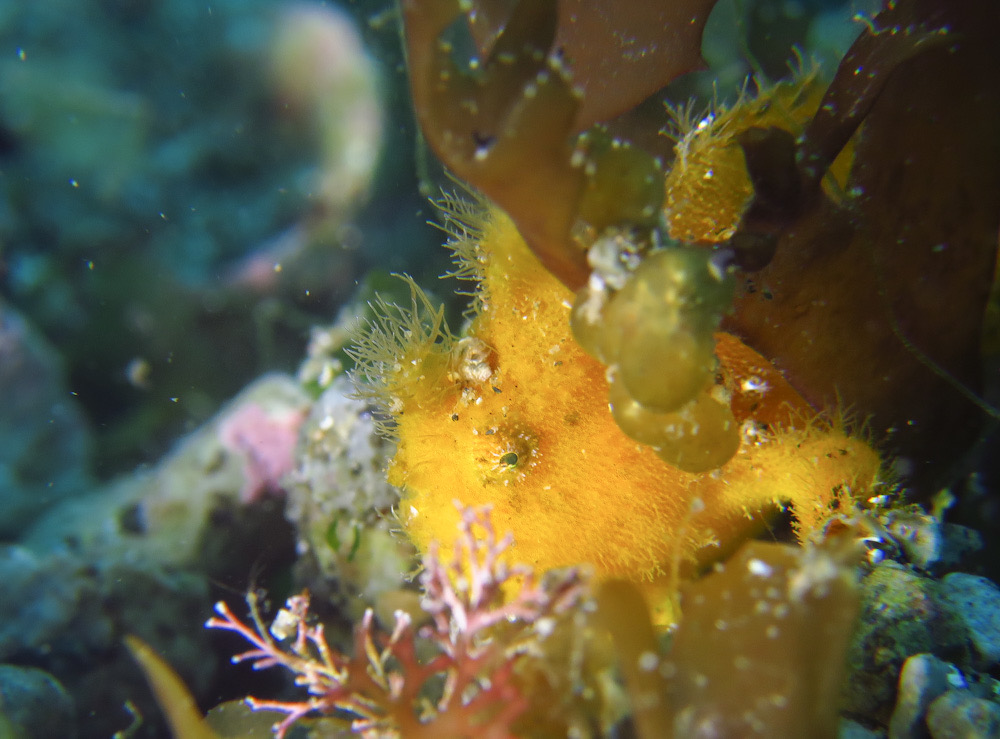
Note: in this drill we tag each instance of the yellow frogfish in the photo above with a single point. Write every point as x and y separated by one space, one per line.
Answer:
513 413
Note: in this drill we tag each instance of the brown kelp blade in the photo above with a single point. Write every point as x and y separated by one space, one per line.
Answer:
504 126
877 304
893 36
507 123
619 52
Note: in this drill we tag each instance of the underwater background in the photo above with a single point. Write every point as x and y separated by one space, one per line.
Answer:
200 202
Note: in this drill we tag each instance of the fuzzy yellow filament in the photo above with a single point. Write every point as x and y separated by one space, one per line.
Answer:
515 414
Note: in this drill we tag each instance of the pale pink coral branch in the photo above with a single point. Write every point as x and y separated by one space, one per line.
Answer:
385 688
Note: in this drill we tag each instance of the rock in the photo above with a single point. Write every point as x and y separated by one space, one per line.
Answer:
69 616
919 535
40 600
960 542
928 543
44 442
136 556
171 514
853 730
340 504
923 679
960 715
35 704
975 602
900 616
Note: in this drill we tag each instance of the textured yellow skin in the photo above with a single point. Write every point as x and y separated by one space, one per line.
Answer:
708 187
581 491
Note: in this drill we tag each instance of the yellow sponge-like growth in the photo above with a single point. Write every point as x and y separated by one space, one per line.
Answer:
708 188
515 414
